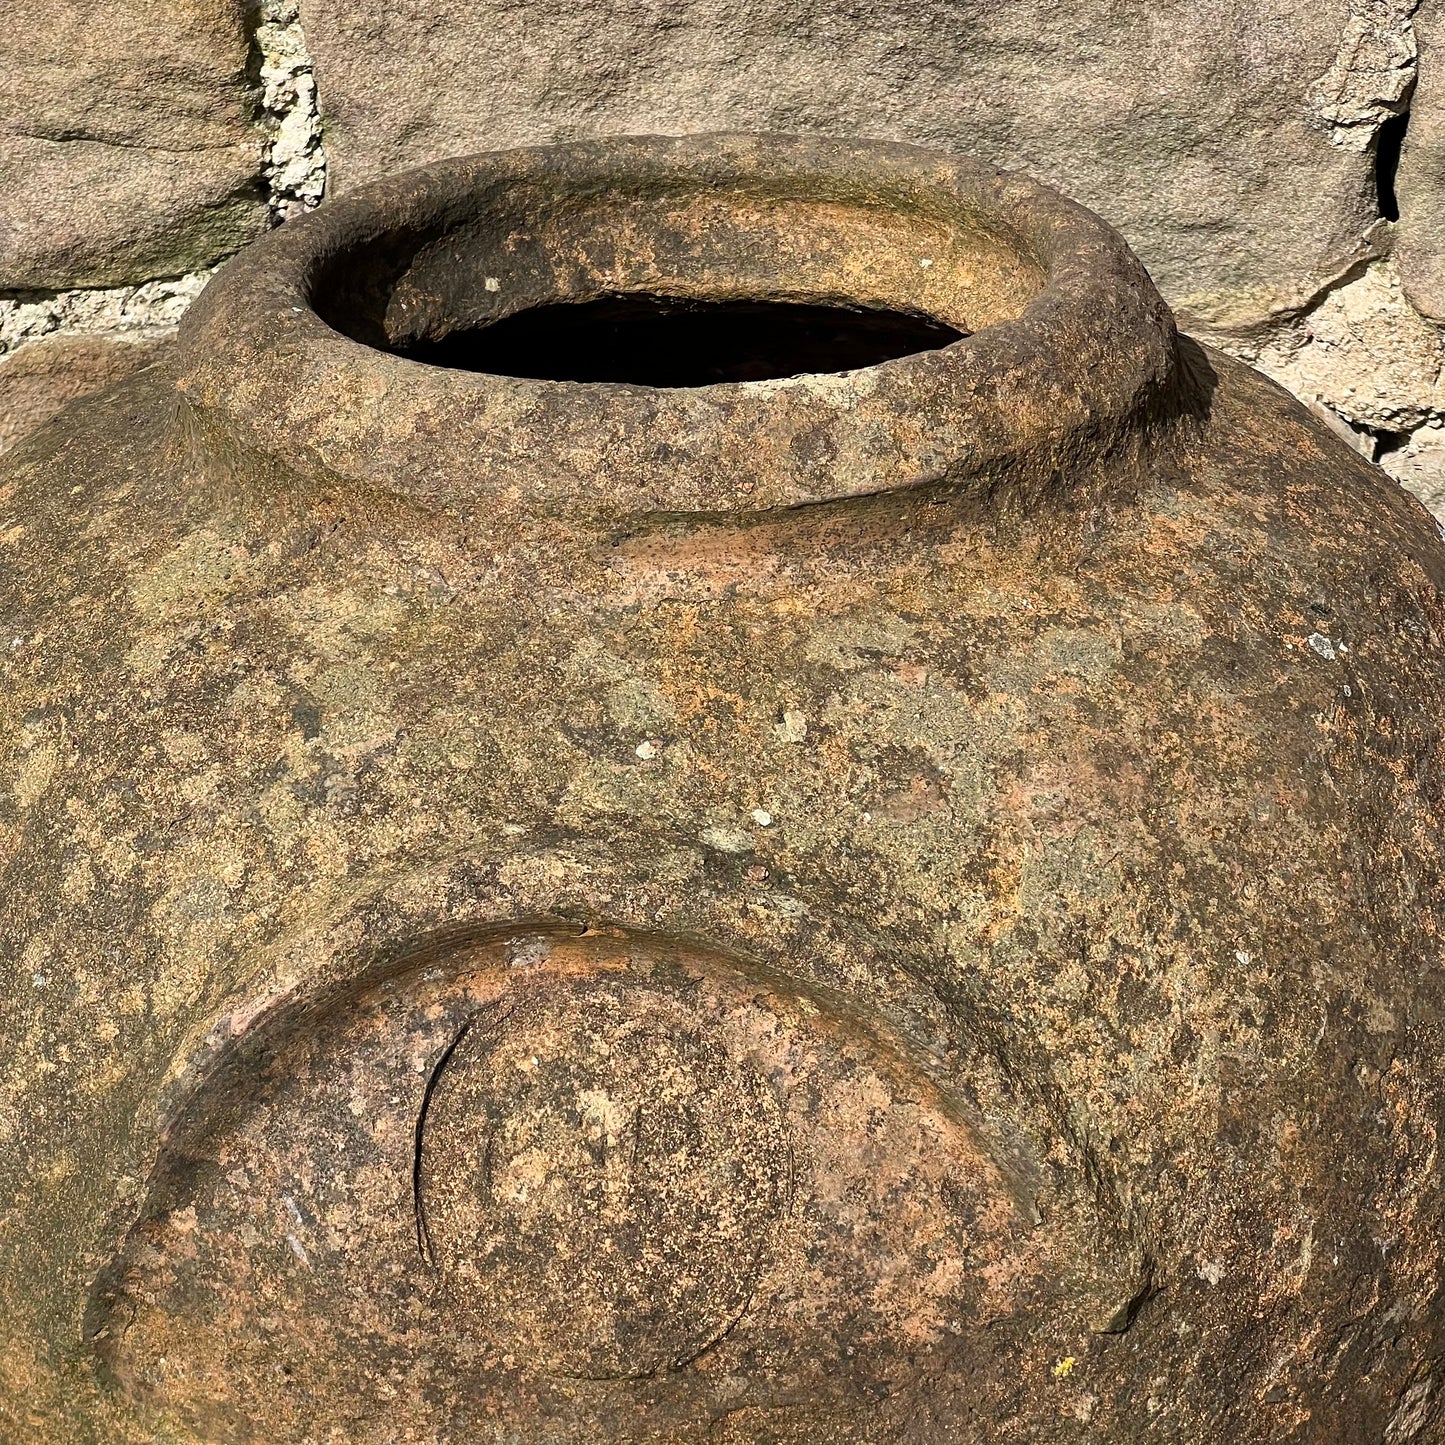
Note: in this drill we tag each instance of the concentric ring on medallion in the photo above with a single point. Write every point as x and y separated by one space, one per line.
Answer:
599 1178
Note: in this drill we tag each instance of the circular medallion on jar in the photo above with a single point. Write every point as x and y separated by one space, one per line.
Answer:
599 1177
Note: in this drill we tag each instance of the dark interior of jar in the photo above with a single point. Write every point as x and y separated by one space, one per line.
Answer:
665 341
672 285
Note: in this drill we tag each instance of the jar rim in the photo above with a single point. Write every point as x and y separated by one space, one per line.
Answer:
265 355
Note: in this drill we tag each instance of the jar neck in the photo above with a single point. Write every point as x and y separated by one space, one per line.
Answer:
299 350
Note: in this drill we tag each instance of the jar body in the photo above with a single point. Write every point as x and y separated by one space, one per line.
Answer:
1075 855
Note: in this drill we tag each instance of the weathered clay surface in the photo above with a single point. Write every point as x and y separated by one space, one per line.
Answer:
40 379
998 790
1231 142
126 140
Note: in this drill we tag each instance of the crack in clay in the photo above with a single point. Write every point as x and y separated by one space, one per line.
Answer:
423 1234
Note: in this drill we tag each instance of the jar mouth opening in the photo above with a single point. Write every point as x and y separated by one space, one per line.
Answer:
667 277
646 339
712 324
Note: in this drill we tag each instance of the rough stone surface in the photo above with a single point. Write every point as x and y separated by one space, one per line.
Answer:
1372 73
1010 778
1421 178
126 141
1228 142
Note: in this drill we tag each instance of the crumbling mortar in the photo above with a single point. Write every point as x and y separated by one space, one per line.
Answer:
1369 365
423 1231
1371 75
293 160
143 312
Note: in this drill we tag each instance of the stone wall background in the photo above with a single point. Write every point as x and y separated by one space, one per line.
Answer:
1278 164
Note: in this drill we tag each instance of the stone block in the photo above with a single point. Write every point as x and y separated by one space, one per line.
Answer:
1420 182
126 140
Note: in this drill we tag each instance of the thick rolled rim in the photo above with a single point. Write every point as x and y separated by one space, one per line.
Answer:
1084 355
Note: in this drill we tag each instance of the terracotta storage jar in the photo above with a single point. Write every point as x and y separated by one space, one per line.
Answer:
711 790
